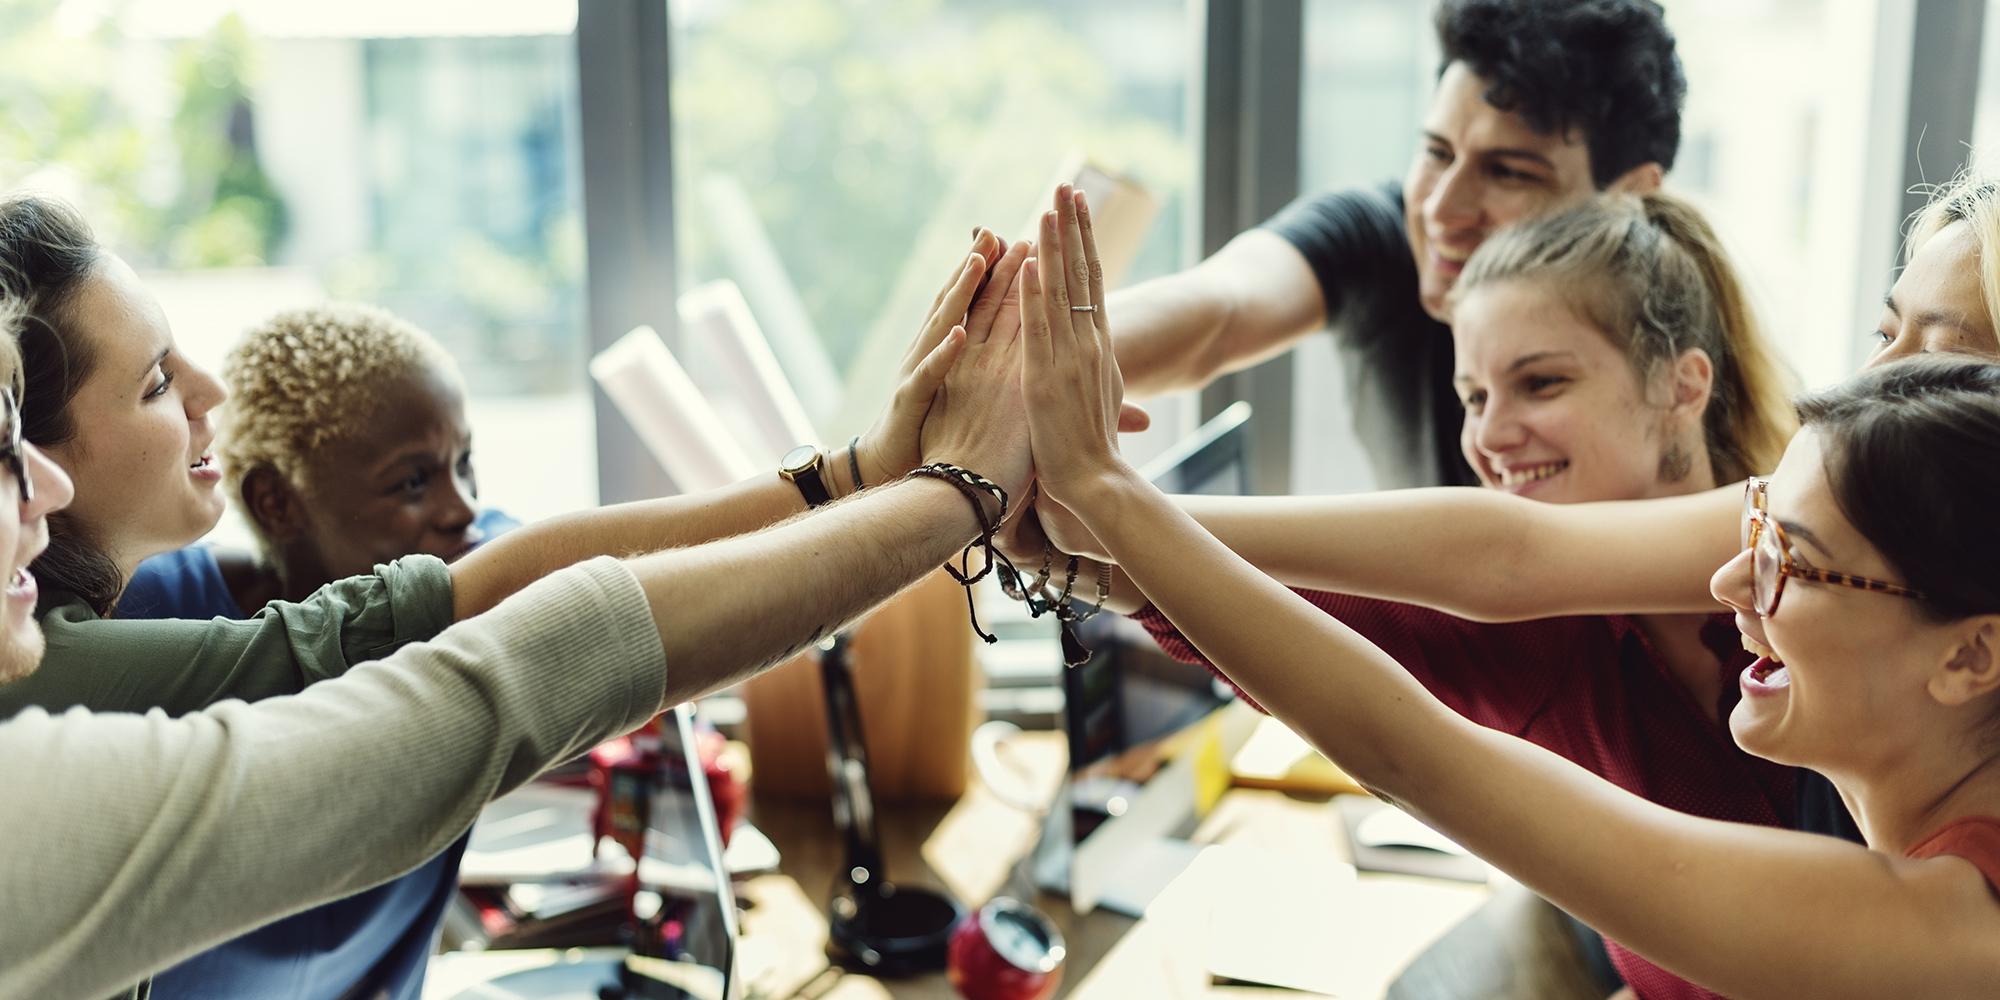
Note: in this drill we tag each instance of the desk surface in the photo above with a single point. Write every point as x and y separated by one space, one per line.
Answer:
970 848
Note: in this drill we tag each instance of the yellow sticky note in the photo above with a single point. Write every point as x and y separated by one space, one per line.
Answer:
1211 769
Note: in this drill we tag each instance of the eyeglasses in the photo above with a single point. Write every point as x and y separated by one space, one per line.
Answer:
1771 559
12 453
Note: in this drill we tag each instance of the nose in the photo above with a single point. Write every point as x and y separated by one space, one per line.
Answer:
457 509
205 392
1497 430
1732 584
1454 200
53 489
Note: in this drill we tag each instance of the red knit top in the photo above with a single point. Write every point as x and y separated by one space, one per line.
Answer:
1976 839
1592 689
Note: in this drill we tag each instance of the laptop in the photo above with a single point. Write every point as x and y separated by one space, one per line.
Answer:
681 930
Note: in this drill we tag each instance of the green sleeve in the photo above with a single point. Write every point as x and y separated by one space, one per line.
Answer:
181 665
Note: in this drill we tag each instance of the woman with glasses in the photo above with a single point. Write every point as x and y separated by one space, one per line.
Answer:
1602 352
1868 590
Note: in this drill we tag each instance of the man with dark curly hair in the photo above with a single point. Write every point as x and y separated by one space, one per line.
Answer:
1538 103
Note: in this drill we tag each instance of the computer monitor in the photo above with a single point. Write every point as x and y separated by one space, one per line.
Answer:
1130 695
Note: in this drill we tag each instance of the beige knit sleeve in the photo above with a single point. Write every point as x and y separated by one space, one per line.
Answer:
128 842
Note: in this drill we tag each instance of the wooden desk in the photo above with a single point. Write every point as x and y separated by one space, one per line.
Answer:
970 848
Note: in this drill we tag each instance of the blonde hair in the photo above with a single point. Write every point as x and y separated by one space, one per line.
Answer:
1650 273
308 377
1974 199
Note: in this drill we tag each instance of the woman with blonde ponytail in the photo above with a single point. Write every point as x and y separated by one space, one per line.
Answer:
1602 352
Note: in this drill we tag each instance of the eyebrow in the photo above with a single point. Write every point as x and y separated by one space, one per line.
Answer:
1931 317
1506 151
1524 361
1793 529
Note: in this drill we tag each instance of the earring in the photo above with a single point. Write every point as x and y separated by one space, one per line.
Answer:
1676 464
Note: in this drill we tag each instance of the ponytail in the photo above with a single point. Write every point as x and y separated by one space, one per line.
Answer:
1651 274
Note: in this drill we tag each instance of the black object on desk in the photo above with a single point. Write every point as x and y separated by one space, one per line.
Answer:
874 924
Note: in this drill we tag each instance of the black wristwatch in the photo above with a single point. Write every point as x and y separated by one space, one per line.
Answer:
804 466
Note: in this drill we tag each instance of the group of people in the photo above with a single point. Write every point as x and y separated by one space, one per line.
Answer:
1712 668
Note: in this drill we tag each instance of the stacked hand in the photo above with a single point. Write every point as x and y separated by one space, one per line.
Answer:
1070 375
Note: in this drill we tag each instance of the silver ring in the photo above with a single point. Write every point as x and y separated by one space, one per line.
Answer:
1083 309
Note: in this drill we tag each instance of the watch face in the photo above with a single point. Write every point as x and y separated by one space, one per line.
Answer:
799 459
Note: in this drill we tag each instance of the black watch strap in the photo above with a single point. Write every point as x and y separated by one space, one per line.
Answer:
805 466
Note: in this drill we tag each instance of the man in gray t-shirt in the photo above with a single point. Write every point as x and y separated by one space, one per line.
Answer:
1538 103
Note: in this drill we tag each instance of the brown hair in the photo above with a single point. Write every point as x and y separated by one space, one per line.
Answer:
49 251
1651 274
1913 457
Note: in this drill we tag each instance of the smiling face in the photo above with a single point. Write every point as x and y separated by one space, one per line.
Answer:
145 481
1845 674
1479 168
23 538
1553 410
1937 304
401 484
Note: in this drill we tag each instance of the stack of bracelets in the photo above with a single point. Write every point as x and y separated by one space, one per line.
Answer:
1036 595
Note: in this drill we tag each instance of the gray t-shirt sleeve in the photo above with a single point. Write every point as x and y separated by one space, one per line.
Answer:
134 841
180 666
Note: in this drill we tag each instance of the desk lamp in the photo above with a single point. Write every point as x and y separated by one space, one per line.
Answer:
874 924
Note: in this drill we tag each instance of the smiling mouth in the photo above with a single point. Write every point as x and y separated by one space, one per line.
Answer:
1530 473
207 461
1767 663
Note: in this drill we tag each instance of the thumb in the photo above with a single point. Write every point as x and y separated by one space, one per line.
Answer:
931 371
1133 418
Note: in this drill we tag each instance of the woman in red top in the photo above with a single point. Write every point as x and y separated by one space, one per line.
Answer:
1867 582
1603 352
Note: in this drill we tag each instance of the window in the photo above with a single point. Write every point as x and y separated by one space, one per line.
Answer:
259 155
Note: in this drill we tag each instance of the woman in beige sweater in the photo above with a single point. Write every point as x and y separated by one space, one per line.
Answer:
128 842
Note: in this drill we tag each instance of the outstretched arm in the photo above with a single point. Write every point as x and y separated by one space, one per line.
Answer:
1748 911
1478 554
972 298
1252 300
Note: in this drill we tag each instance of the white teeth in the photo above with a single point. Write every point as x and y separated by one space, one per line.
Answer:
1756 648
1530 474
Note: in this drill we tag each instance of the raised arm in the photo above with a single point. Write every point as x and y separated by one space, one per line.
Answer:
1748 911
1249 302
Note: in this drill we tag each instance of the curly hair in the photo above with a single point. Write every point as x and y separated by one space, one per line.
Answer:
307 377
1604 67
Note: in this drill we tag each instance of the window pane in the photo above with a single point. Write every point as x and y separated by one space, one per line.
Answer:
1366 77
832 159
260 155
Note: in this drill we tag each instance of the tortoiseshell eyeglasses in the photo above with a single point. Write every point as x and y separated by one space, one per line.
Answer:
1771 559
12 454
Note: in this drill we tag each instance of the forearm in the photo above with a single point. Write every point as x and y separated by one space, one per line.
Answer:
1482 554
730 608
1249 302
1278 648
174 834
520 557
1164 333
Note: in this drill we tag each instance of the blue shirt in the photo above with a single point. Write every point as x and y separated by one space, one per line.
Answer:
373 944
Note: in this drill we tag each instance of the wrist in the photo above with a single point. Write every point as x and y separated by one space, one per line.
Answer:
1101 489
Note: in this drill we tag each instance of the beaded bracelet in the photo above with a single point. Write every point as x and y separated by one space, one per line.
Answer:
974 487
